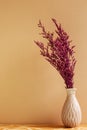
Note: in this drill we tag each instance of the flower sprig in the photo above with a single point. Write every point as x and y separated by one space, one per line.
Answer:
59 52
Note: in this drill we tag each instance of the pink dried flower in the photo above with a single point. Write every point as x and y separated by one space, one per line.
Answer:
59 52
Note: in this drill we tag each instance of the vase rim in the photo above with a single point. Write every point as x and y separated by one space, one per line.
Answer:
71 88
71 91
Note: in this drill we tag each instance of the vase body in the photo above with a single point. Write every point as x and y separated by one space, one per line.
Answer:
71 112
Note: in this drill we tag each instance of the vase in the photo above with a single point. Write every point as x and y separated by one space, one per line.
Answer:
71 112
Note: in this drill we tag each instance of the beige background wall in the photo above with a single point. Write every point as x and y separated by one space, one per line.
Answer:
31 90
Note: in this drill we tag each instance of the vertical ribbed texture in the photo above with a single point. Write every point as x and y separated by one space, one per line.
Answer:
71 113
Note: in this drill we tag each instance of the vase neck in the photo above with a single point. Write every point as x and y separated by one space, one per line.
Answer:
71 91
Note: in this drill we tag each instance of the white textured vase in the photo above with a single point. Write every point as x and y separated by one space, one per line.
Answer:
71 112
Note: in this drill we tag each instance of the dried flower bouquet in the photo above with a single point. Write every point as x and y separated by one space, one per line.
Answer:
59 52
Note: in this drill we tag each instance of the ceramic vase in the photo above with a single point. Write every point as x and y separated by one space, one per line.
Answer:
71 112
